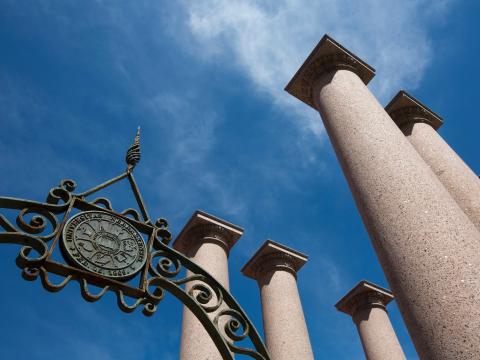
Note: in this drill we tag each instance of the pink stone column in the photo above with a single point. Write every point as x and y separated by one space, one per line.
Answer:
367 304
428 248
419 124
275 268
207 240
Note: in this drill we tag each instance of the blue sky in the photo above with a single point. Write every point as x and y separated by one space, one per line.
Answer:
204 80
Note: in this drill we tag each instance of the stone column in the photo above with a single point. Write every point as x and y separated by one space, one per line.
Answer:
419 124
275 268
427 246
207 240
367 304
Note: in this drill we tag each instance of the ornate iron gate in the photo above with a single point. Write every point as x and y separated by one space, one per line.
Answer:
123 252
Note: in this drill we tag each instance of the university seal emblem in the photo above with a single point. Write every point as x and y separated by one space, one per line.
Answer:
104 244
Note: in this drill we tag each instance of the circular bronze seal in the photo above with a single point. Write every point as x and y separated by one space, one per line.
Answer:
104 244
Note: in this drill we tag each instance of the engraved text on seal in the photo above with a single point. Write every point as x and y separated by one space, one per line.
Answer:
104 244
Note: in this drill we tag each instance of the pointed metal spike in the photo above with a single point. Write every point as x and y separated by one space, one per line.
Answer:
137 137
133 153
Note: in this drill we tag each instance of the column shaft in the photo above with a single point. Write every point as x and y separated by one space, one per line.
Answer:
455 175
366 304
275 266
286 333
196 344
427 246
206 240
378 338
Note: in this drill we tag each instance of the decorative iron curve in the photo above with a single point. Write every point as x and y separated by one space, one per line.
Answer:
217 310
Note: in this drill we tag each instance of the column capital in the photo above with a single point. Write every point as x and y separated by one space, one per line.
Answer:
405 110
203 227
273 256
364 295
327 57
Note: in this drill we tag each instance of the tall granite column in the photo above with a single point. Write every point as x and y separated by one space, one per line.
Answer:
367 304
427 246
419 124
207 240
275 268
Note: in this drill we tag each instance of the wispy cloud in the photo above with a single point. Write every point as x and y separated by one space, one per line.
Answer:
190 138
269 40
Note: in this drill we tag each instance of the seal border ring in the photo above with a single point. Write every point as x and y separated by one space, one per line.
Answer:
78 264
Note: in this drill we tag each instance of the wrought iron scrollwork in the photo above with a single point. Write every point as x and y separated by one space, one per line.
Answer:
203 295
39 226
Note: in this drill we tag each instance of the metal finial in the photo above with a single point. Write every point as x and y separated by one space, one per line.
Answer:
133 153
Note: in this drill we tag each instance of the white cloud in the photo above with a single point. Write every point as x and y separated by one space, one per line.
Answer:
269 40
190 139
